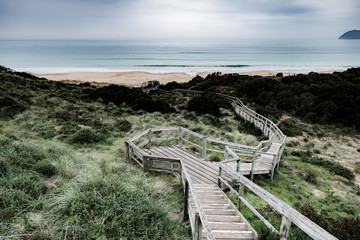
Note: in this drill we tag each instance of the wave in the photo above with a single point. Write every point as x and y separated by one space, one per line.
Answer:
196 66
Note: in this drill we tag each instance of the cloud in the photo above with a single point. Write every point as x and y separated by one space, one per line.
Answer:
175 19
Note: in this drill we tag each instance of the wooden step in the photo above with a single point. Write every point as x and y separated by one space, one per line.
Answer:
226 234
228 226
222 218
213 205
227 212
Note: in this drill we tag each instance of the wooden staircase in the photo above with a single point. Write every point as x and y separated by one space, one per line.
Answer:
225 220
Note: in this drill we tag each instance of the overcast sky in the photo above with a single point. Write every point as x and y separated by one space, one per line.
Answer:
176 19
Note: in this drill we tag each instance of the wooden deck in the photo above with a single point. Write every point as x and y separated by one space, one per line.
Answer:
211 213
224 219
207 172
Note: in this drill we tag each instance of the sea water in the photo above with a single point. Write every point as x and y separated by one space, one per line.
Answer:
293 56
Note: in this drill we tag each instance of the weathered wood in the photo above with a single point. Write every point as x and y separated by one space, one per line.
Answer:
149 139
203 153
127 154
180 136
284 228
305 224
159 129
198 227
186 200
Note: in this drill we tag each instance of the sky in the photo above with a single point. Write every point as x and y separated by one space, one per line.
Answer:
177 19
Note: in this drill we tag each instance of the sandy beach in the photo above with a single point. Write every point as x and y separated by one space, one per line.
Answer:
133 78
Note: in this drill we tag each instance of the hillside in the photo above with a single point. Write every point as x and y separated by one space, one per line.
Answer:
354 34
63 172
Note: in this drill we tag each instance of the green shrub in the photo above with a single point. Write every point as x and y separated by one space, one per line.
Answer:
249 128
45 168
106 208
309 176
4 168
191 116
22 154
358 150
290 128
214 158
331 166
344 228
317 151
203 105
12 201
85 136
41 236
30 184
123 125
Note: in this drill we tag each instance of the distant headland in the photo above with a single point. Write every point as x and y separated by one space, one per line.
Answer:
354 34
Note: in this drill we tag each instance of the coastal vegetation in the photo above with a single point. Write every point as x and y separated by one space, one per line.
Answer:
63 172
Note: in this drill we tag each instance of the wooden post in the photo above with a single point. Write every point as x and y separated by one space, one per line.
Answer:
204 148
186 200
273 166
127 156
238 165
241 193
145 164
264 128
252 167
180 137
220 173
149 139
284 228
280 154
226 154
198 227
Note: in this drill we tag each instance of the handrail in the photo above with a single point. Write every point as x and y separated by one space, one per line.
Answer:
290 215
267 127
205 222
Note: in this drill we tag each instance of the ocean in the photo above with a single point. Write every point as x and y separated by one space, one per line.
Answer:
293 56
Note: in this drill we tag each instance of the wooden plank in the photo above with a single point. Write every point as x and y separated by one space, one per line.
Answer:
138 136
159 129
197 170
308 226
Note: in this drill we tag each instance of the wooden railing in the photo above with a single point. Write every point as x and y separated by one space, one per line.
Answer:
289 214
198 221
204 144
268 128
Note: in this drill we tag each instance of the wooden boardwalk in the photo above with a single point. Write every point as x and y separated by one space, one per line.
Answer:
211 213
224 219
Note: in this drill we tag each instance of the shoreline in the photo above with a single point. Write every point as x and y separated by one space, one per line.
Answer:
136 78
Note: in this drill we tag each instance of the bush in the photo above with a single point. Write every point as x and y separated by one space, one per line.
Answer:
203 105
123 125
85 136
346 228
290 128
310 177
4 168
45 168
41 236
30 184
106 208
214 158
331 166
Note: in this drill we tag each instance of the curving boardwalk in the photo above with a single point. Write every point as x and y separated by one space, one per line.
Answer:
211 213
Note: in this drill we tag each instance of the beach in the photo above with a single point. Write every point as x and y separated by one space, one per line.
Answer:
136 78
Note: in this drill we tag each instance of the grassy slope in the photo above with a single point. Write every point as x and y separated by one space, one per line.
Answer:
55 184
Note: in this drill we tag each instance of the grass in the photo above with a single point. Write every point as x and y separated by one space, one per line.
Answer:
63 173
